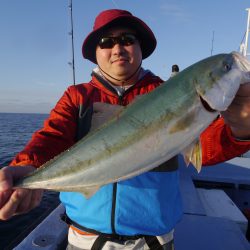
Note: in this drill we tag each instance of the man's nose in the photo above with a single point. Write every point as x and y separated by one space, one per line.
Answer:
118 49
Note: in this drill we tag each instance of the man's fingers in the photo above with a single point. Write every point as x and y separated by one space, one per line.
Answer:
8 174
4 196
5 179
30 201
244 90
24 204
10 207
17 201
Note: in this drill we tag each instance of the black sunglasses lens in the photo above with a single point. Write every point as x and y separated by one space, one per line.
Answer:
124 40
106 43
127 39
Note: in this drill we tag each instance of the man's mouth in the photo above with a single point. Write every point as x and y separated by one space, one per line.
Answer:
120 60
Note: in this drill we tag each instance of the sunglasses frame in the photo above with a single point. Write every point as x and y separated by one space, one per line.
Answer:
126 39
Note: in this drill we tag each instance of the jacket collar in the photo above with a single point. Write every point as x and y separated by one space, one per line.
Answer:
100 82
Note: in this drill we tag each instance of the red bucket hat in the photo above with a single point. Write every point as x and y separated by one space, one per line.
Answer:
109 18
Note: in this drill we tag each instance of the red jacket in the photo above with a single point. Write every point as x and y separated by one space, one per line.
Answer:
59 131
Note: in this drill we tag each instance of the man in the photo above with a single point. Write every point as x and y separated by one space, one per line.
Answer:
175 70
127 214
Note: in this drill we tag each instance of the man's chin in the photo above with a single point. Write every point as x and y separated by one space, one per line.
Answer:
122 74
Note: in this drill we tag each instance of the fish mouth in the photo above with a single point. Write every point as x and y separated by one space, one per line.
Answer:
206 106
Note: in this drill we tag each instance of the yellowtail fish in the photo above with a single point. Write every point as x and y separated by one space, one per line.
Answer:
149 131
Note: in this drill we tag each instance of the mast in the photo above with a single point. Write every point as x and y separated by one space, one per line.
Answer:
71 33
244 46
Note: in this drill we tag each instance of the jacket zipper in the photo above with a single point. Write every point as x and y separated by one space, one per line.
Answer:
113 208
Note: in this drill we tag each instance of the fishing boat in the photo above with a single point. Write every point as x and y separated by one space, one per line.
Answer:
216 205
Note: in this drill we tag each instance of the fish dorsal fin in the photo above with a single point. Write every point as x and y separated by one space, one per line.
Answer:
193 154
103 112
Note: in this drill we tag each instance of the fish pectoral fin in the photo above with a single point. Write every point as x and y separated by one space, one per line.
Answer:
103 112
193 154
89 191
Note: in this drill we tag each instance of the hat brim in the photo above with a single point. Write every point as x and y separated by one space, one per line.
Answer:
143 32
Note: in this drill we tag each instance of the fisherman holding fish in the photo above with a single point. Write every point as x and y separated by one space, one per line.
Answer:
140 212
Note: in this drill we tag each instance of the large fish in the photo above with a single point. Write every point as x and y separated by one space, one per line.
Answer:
149 131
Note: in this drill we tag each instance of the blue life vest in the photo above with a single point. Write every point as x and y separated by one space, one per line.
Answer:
148 204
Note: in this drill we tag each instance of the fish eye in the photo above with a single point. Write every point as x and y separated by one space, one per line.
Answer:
227 67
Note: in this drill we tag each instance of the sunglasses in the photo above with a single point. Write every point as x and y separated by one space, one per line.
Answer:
124 40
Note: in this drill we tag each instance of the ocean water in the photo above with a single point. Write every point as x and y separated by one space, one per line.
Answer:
15 131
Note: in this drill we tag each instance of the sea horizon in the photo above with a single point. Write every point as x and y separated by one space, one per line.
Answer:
14 112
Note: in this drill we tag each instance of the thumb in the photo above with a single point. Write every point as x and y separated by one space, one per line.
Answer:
8 174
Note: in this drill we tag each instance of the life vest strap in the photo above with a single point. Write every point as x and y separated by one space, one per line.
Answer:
102 238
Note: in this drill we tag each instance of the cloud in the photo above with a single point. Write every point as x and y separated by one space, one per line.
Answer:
174 10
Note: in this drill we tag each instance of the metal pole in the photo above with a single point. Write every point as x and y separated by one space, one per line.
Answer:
212 49
246 41
72 40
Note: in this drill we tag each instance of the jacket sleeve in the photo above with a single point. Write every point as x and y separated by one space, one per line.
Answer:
57 135
219 145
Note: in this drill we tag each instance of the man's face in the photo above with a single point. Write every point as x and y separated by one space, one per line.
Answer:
119 61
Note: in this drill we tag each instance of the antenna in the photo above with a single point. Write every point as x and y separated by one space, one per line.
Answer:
71 33
244 46
212 48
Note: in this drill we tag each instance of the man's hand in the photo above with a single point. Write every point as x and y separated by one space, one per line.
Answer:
237 116
18 201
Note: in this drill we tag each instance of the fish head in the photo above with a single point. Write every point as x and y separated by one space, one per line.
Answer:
220 79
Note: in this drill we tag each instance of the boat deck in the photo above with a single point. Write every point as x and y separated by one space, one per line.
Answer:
198 229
